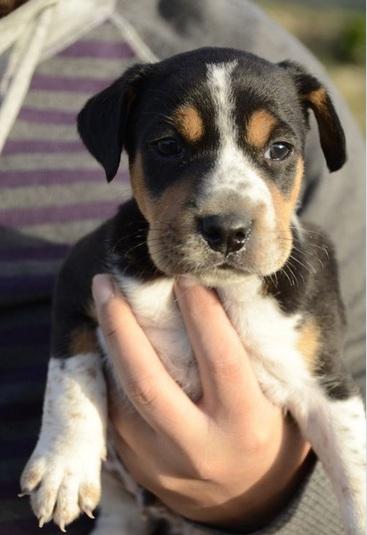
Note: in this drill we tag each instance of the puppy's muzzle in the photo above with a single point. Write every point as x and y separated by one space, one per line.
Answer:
227 233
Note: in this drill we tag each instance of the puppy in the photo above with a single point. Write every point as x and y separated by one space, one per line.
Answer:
215 140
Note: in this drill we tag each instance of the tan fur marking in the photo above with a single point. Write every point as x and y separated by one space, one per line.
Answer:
259 128
172 202
317 98
189 123
308 343
169 218
138 186
294 194
285 205
165 207
83 340
92 312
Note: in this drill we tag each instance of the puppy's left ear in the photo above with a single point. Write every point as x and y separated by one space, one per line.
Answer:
102 123
314 95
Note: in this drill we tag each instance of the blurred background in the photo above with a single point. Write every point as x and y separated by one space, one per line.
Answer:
335 31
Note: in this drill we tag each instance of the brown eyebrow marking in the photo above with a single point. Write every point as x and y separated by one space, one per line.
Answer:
189 122
259 128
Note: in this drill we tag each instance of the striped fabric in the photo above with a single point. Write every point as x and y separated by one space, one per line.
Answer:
52 190
52 193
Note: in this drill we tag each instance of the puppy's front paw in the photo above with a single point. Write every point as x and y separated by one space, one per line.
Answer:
63 483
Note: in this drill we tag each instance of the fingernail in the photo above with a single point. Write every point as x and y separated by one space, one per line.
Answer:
102 289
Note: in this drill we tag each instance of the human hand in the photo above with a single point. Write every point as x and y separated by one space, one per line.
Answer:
230 459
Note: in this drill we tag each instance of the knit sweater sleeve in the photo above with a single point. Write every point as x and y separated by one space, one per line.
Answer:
313 509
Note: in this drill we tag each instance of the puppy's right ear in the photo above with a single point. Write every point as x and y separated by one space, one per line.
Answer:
102 123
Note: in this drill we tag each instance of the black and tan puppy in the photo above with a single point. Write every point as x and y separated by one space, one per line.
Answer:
215 139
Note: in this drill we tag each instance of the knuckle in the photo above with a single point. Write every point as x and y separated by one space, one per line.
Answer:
257 441
203 468
108 321
226 368
110 333
141 392
165 482
227 361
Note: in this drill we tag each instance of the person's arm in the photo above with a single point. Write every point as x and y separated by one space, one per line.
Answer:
231 460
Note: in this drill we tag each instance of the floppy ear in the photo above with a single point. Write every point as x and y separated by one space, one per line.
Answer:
102 123
314 95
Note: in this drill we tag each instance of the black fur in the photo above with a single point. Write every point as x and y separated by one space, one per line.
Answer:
102 123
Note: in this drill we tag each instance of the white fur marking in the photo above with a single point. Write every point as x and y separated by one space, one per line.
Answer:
154 306
119 512
63 473
337 432
233 170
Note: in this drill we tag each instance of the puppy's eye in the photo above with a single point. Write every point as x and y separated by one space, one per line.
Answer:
168 146
279 151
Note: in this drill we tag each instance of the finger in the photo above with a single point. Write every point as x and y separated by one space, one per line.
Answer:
129 425
152 391
225 369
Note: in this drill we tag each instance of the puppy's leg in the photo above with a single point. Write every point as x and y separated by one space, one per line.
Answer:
336 430
120 513
63 473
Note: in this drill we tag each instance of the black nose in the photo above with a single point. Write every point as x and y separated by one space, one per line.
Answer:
225 233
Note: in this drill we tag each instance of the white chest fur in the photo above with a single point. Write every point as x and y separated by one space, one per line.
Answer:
267 333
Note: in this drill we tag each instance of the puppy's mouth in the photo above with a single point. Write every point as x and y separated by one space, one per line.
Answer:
191 253
228 266
182 250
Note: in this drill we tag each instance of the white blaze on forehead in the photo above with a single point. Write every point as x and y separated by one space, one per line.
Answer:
233 170
219 81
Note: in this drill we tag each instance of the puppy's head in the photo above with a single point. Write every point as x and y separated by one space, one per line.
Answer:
215 139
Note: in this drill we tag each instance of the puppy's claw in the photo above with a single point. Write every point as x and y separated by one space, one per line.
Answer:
41 522
24 491
89 513
62 526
